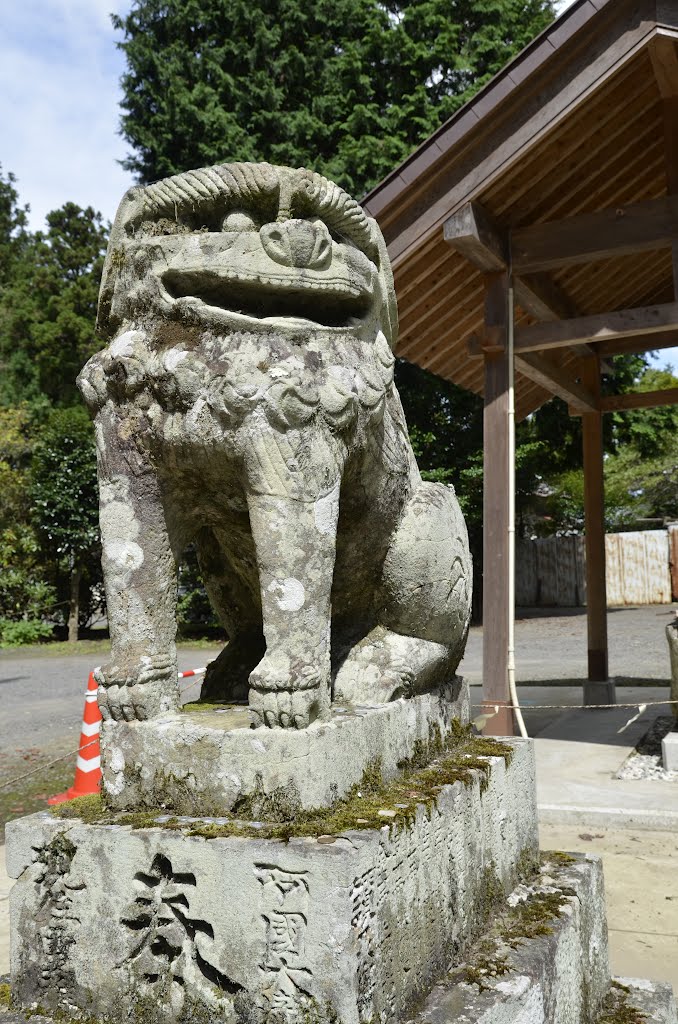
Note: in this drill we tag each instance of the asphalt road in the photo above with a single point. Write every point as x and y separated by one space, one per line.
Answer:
41 695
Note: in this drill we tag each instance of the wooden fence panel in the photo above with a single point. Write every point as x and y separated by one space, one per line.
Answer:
658 572
614 570
547 571
526 573
673 560
551 571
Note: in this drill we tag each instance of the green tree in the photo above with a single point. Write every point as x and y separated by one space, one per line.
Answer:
27 599
64 505
346 87
48 308
13 227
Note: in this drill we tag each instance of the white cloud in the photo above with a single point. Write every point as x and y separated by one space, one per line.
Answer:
59 95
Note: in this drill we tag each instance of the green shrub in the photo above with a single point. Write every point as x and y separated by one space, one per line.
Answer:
23 631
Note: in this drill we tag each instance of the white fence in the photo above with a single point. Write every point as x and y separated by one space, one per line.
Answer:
551 571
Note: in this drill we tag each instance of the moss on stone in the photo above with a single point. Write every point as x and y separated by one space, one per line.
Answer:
557 857
90 809
371 804
5 995
618 1009
534 916
197 706
487 966
509 926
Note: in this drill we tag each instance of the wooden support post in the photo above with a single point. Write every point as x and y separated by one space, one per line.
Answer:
598 690
495 509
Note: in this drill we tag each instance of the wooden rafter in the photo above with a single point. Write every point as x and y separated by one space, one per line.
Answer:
642 320
639 400
553 378
624 230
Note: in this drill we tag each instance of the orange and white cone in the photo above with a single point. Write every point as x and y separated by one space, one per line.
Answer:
88 766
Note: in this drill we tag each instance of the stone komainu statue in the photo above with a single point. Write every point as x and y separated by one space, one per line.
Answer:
246 405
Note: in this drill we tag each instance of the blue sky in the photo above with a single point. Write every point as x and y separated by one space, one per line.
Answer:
59 94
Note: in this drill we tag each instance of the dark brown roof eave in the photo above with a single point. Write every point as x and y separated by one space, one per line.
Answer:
524 64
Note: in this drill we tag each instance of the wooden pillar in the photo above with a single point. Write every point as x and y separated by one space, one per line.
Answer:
597 690
496 507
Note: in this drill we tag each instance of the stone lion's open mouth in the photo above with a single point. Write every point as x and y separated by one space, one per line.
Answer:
329 303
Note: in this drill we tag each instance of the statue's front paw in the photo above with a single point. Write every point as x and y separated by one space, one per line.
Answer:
288 700
137 691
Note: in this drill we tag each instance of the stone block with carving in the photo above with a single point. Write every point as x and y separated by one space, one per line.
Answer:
343 928
245 404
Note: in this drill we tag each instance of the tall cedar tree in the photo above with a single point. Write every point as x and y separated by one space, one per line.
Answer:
48 303
346 87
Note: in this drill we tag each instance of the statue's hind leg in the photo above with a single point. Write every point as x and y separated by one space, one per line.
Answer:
235 599
424 605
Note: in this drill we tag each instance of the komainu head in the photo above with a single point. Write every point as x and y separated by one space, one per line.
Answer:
247 248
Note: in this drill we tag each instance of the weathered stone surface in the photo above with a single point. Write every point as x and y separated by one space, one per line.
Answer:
655 999
672 639
206 762
670 752
556 978
348 928
246 405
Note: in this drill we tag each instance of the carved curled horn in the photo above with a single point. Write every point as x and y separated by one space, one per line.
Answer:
207 185
337 208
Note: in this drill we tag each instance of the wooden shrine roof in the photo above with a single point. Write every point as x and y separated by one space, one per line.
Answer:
574 124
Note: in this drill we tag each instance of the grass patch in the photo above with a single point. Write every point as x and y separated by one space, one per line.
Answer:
100 650
31 794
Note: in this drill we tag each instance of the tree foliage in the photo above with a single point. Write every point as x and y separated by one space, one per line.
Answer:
48 307
345 87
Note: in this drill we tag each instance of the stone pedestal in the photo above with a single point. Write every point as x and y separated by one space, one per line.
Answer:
349 927
210 761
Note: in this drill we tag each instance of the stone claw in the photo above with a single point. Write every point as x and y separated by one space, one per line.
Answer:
137 691
277 701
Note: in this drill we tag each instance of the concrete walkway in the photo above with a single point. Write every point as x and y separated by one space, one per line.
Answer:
641 888
578 756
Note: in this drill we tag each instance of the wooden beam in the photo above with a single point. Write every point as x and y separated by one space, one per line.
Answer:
639 400
495 512
475 234
472 233
594 515
596 236
645 320
638 343
553 378
664 59
542 298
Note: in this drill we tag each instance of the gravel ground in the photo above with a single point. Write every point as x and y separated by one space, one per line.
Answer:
646 761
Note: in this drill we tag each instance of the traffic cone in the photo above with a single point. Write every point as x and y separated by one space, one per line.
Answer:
88 766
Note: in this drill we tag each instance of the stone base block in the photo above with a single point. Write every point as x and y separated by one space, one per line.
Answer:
336 929
538 963
207 762
654 999
670 752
